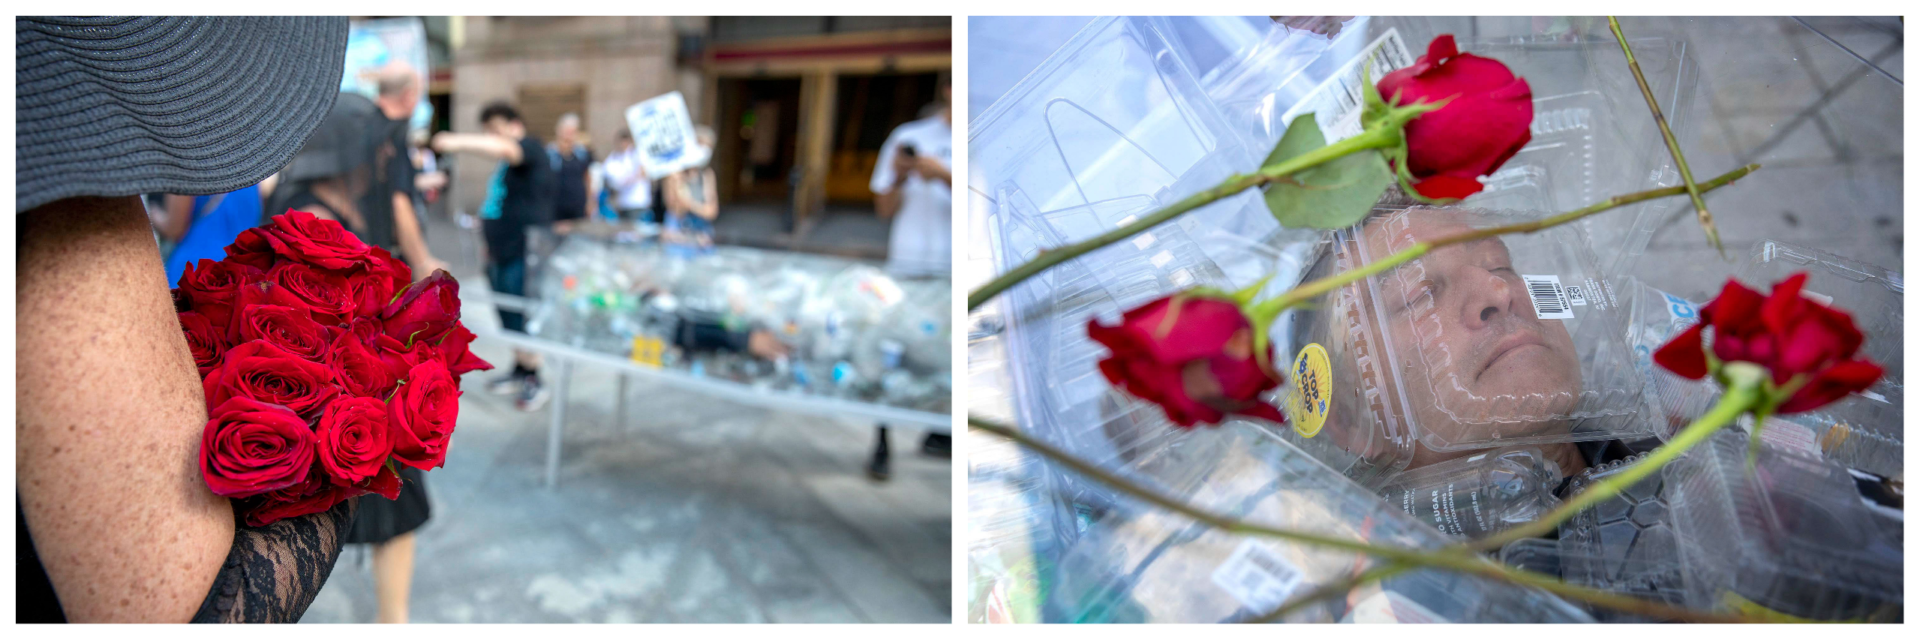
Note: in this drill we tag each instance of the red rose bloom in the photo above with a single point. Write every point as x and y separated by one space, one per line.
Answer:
422 415
1486 123
252 249
366 329
286 327
375 282
267 373
261 292
454 351
426 311
311 496
385 482
208 344
1789 335
299 236
326 294
251 447
352 439
1193 356
214 288
398 358
358 368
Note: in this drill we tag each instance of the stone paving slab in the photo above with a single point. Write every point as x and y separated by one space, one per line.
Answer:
692 511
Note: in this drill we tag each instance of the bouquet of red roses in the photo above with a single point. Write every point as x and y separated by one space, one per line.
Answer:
324 367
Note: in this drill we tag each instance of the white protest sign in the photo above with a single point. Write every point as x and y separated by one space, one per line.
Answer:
663 132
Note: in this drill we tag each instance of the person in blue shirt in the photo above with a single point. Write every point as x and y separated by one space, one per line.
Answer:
201 227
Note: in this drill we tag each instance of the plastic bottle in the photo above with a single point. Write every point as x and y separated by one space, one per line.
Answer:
1478 495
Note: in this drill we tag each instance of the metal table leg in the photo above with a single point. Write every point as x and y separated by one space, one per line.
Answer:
563 374
620 404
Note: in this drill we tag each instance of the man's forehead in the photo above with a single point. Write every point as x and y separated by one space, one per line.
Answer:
1389 234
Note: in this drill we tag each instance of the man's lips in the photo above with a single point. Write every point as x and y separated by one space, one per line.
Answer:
1511 344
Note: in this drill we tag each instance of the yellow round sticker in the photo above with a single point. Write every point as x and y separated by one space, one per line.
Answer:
1308 401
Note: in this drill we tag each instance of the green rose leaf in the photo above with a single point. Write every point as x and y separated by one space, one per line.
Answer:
1333 195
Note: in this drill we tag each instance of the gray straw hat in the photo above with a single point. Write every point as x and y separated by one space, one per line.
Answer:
118 106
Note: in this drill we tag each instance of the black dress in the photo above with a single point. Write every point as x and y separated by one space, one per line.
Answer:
380 519
34 600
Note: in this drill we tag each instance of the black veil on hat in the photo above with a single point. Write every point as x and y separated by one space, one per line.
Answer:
192 105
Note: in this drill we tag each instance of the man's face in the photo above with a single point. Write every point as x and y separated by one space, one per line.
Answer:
566 133
1462 313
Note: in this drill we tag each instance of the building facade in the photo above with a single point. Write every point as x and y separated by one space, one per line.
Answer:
800 105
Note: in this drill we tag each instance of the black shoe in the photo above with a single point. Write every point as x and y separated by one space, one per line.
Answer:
533 395
506 385
881 467
937 445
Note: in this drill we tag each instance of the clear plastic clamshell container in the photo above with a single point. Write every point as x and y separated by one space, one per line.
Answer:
1591 135
1111 127
1503 341
1864 430
1789 535
1652 318
1156 566
1626 543
1556 558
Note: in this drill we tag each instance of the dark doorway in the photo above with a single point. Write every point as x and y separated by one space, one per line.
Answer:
758 139
866 110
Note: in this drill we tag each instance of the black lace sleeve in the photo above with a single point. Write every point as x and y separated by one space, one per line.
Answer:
273 572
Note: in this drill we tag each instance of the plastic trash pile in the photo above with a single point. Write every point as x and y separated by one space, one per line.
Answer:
847 329
1414 435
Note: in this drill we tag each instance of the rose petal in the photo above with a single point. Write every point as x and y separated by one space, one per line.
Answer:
1832 384
1685 355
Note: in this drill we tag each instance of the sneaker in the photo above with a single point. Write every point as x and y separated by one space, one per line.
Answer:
533 395
506 385
937 445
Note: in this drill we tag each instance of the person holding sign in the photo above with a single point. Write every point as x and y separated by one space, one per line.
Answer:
692 203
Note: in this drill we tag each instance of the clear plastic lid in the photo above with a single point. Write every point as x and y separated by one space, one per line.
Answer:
1503 341
1625 543
1154 566
1653 317
1789 535
1863 430
1591 137
1659 582
1111 127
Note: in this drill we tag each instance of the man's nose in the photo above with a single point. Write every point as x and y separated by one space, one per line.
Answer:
1489 296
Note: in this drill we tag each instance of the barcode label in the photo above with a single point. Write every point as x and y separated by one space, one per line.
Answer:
1335 103
1576 296
1257 576
1549 300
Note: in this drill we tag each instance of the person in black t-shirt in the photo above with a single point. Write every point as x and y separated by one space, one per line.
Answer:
571 164
399 86
520 195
